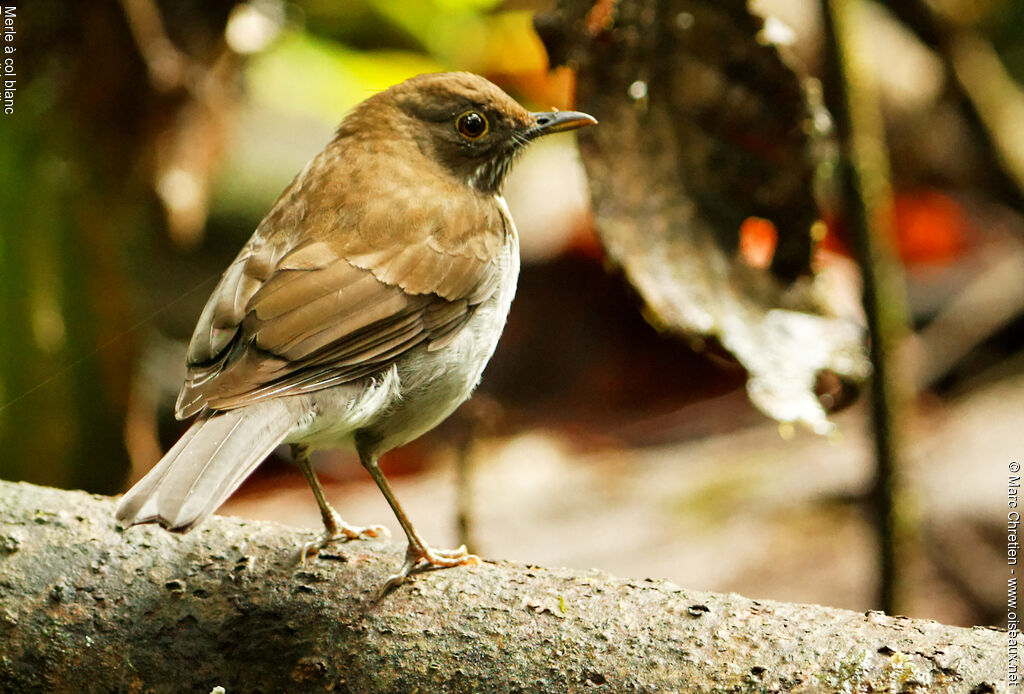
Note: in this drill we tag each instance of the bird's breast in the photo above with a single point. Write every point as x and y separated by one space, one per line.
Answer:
424 386
434 383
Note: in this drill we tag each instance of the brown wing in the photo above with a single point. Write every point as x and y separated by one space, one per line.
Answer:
296 313
306 328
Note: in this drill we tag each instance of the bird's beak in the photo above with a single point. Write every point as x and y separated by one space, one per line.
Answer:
548 122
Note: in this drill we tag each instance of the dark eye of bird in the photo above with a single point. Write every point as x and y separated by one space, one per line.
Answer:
471 125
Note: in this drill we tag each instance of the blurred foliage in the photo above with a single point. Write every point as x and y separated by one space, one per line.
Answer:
315 76
56 305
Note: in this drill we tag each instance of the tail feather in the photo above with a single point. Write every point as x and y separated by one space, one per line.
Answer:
206 465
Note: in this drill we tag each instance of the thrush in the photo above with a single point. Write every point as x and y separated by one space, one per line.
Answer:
363 309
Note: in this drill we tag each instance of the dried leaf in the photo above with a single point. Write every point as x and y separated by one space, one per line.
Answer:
703 126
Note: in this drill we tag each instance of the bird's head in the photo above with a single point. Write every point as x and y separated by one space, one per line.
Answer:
468 126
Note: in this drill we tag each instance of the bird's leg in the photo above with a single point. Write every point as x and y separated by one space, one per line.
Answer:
418 555
334 527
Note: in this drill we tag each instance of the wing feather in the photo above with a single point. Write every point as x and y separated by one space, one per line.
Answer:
307 306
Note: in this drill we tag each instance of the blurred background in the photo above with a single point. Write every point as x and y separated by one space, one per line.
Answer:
149 138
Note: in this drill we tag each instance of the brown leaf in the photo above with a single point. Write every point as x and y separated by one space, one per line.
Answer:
704 126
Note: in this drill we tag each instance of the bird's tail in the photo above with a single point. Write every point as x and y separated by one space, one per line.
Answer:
206 465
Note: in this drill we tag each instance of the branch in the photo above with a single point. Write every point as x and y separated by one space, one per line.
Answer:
87 605
863 183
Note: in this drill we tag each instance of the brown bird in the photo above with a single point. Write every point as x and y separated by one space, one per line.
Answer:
363 309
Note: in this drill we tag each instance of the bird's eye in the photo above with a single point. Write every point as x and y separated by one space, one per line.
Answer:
472 125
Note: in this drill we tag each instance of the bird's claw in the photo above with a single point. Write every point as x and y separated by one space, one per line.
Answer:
425 558
342 532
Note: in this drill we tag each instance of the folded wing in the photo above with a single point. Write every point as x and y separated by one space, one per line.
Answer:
290 318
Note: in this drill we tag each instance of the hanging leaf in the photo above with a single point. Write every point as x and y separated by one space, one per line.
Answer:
703 167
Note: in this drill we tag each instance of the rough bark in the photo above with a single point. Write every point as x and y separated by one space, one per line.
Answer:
88 606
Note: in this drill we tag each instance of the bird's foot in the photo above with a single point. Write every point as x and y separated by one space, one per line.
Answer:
422 558
337 530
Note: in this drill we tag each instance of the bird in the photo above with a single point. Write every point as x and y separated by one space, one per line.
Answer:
362 311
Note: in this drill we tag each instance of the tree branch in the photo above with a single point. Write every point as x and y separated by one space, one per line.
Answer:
85 605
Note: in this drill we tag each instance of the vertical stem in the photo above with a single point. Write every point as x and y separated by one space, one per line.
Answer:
464 473
478 417
866 199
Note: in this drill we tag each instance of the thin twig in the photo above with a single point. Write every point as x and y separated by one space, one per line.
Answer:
866 199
